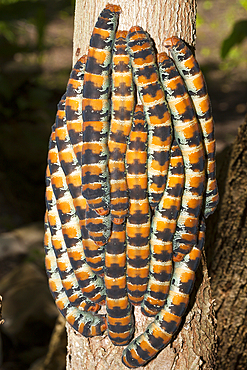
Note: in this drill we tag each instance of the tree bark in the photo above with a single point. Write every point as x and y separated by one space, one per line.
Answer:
195 345
161 18
226 244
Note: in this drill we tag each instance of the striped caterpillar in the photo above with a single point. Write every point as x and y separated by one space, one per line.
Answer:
95 110
188 136
127 187
123 101
138 221
160 332
196 86
151 92
163 227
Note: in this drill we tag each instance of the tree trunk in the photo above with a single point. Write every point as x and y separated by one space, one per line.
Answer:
195 345
161 18
226 243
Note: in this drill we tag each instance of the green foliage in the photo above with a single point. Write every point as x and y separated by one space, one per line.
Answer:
243 3
238 34
199 20
207 5
18 80
27 104
39 13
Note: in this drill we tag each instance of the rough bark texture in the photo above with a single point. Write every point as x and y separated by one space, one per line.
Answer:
161 18
226 243
195 345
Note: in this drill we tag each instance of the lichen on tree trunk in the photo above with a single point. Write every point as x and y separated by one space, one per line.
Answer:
226 245
194 346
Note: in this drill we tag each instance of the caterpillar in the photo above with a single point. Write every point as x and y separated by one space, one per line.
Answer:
72 170
122 107
65 270
86 323
96 110
146 78
188 136
162 231
125 186
160 332
120 321
194 81
63 218
138 221
73 106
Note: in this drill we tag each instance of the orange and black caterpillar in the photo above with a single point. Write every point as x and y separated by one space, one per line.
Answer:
188 136
194 81
72 170
73 106
151 92
96 110
163 227
120 320
138 221
81 317
160 332
87 256
122 106
64 225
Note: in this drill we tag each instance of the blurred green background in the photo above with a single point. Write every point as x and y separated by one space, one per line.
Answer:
35 62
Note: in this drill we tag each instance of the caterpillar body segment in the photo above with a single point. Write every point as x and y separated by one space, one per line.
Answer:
68 159
138 221
69 281
122 106
146 78
188 136
96 110
196 86
64 213
160 332
72 257
120 322
162 231
72 170
86 323
99 227
73 106
63 265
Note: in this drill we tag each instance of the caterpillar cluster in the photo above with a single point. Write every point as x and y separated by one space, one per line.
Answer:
128 187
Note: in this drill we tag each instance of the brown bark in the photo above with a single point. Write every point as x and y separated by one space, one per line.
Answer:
161 18
195 345
226 244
